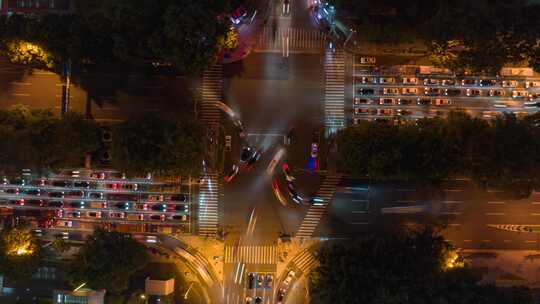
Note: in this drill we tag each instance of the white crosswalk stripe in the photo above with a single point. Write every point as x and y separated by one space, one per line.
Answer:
300 40
251 254
316 212
334 97
208 205
212 84
305 261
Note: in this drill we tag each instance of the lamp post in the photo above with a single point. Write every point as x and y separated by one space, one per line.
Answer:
65 88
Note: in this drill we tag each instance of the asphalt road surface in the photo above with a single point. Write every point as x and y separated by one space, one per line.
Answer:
468 212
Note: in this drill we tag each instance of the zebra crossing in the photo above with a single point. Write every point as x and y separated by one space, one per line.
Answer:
334 93
300 40
305 261
208 205
251 254
212 84
316 212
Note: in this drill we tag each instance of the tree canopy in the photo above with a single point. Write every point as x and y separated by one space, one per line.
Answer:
184 33
502 153
488 34
38 140
408 267
19 253
107 260
163 145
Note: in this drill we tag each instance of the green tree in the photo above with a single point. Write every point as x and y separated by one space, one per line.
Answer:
19 253
60 245
184 40
404 267
107 260
162 145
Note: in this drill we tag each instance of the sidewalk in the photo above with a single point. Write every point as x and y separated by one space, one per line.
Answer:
506 267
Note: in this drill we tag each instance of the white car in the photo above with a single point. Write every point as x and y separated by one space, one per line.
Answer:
367 60
386 80
520 94
367 79
410 80
409 91
510 83
532 84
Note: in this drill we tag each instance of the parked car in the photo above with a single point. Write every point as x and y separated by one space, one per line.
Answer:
410 80
366 91
510 83
468 82
431 81
403 112
520 94
404 101
474 92
360 101
409 91
432 91
441 102
423 101
496 93
390 91
365 111
387 101
386 112
367 60
452 92
387 80
532 84
487 82
367 79
448 82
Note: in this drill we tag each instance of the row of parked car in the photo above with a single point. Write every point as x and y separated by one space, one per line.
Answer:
389 101
487 82
127 206
91 194
77 214
434 91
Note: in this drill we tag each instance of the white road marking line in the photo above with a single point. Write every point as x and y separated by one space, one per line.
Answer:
467 241
535 203
359 223
452 202
496 203
453 190
495 213
20 94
